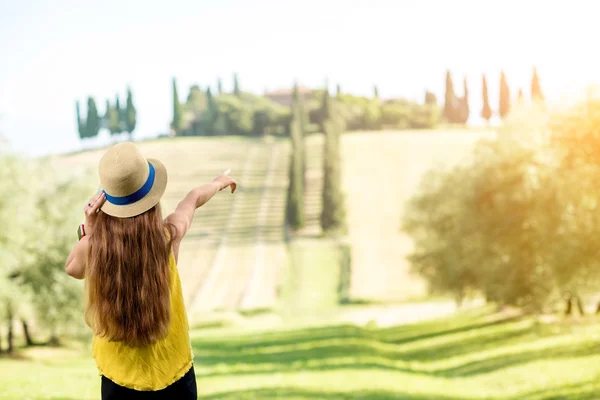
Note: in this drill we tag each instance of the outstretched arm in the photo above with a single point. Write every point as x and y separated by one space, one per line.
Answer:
183 215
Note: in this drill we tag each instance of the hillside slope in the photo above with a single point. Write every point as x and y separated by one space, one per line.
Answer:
233 255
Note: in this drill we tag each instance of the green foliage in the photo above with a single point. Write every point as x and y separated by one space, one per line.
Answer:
430 98
456 110
112 118
295 196
56 297
196 101
209 117
236 86
477 228
486 111
536 89
92 125
463 109
504 103
177 123
325 110
404 114
518 221
333 215
39 214
237 118
219 86
228 114
450 102
80 123
357 113
120 115
16 203
130 114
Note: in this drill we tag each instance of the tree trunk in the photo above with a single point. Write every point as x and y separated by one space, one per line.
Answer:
28 341
54 340
569 306
580 305
458 300
10 328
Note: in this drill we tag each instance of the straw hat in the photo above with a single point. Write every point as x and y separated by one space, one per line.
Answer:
132 183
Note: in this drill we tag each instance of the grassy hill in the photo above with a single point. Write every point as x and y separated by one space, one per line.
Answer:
235 257
234 254
380 172
474 355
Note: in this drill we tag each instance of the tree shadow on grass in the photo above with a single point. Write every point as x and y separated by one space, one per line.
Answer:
353 348
478 343
443 327
281 338
580 391
292 393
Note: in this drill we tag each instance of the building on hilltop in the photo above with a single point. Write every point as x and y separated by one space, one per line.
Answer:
285 96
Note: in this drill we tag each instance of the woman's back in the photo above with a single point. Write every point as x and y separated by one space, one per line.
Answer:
157 365
128 254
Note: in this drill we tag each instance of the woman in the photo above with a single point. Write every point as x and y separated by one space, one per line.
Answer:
128 255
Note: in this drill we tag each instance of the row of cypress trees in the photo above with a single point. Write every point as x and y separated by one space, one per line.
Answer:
333 213
115 118
456 109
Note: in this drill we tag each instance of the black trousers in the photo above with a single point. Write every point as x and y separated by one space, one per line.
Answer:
183 389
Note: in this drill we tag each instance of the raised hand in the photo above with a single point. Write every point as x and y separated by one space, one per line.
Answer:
91 211
224 180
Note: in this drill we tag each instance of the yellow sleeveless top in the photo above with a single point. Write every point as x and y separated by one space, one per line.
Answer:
156 366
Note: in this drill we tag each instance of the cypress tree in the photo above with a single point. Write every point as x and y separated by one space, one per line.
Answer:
236 85
536 89
520 97
450 100
220 86
333 215
325 112
486 111
113 119
295 197
92 125
176 124
430 98
107 112
375 92
210 115
504 103
464 104
120 115
81 129
130 114
338 90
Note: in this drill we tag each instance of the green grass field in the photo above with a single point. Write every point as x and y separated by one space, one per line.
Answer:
273 328
474 355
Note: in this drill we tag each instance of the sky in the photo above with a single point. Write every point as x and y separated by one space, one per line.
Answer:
53 53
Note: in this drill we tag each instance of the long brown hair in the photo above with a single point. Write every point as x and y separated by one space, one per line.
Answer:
128 279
